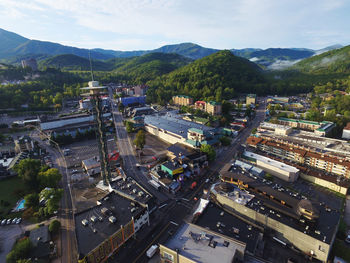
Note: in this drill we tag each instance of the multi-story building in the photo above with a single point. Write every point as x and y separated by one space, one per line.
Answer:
117 217
328 162
173 129
281 170
213 108
192 243
319 128
250 99
140 90
308 226
182 100
346 131
31 63
200 105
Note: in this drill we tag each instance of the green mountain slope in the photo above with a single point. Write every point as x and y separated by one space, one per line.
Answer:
73 62
151 66
334 61
9 40
189 50
217 76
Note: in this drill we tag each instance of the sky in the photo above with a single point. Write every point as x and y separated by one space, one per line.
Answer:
149 24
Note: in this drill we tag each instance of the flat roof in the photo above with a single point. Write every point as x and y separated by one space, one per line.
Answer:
322 229
174 123
192 242
179 149
310 140
130 188
119 206
231 226
272 162
273 126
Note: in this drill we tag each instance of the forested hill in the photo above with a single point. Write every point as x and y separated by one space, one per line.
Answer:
215 77
150 66
334 61
73 62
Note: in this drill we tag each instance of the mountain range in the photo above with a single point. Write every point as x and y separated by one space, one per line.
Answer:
14 48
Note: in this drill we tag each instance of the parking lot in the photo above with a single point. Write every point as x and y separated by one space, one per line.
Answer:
313 192
83 188
84 150
154 148
8 236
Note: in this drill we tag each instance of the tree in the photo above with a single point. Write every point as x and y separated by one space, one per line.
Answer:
28 170
140 139
21 250
54 226
31 200
129 126
121 107
225 141
209 150
49 178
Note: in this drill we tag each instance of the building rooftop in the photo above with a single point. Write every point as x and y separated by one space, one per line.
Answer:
91 163
214 103
173 123
126 186
229 225
308 140
179 149
171 165
272 126
202 245
265 198
91 235
40 234
277 164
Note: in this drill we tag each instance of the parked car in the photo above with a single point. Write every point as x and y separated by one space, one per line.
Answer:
19 220
14 220
3 222
74 171
347 239
8 221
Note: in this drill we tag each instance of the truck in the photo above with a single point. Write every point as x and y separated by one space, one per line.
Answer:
154 184
151 251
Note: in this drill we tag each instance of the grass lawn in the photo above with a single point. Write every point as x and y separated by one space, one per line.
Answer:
9 189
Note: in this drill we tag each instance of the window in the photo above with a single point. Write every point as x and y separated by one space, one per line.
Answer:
167 256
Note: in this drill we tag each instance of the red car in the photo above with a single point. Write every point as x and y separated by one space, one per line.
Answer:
154 158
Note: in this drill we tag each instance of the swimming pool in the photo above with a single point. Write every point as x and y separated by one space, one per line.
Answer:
19 206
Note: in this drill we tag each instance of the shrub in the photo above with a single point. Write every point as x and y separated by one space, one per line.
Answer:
54 226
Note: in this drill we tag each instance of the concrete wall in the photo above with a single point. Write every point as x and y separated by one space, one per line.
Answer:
168 137
300 240
281 174
324 183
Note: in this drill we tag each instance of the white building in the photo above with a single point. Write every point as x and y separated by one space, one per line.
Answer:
281 170
346 132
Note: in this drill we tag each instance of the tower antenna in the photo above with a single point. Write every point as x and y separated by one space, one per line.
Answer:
92 74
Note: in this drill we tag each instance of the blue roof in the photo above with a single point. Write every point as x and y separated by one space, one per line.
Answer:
173 123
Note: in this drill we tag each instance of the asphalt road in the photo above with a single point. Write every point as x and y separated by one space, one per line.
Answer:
126 151
176 210
68 243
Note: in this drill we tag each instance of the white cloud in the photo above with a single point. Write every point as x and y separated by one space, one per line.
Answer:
144 24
